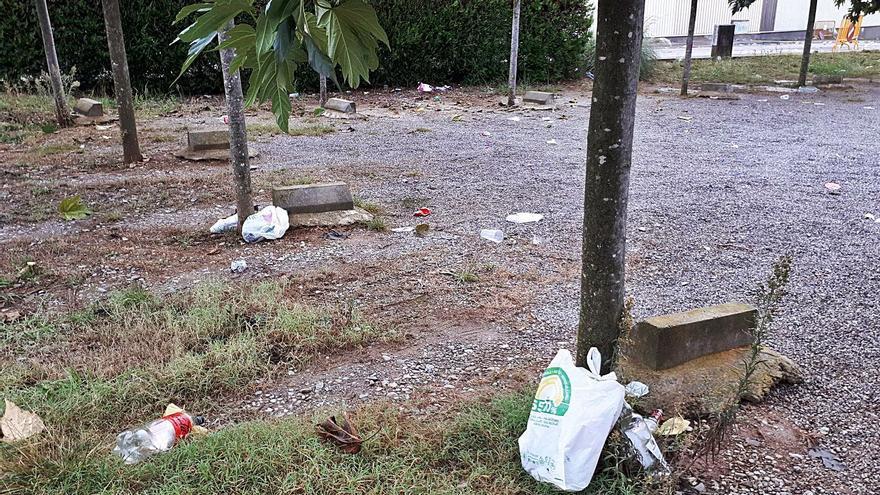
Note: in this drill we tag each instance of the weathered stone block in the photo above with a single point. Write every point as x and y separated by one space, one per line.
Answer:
718 87
340 105
313 198
665 341
538 98
207 140
827 79
89 107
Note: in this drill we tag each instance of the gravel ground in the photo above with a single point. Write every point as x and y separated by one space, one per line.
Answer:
720 189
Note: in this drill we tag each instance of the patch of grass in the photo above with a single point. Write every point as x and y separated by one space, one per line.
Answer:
57 149
263 130
163 138
91 373
114 216
377 224
369 206
312 130
466 276
472 452
767 69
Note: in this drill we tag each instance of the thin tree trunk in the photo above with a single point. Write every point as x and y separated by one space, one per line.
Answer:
514 53
609 154
238 147
688 51
131 151
808 43
61 111
323 96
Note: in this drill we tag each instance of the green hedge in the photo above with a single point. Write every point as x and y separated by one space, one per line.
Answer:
436 41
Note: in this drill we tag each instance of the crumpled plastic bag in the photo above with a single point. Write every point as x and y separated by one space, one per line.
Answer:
572 414
225 224
270 223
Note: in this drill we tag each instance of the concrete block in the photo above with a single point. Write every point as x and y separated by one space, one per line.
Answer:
718 87
89 108
313 198
661 342
340 105
207 140
538 98
827 79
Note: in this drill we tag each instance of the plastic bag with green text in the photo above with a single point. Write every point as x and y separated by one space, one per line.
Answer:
572 414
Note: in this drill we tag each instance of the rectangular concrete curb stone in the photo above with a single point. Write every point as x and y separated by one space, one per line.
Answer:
538 97
313 198
661 342
340 105
89 107
207 140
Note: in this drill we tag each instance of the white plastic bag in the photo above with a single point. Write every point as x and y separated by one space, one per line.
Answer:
225 224
269 223
572 414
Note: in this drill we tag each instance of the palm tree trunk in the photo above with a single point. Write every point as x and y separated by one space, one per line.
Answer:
688 51
514 53
131 151
61 111
808 43
323 89
609 154
238 146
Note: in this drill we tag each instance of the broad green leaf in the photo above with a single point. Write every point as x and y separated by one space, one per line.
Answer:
267 25
73 208
353 35
191 9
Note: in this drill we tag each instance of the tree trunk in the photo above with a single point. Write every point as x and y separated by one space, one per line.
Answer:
61 111
238 146
688 51
808 43
323 96
609 153
514 53
131 151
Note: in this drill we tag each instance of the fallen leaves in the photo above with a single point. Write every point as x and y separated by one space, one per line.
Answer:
18 424
343 434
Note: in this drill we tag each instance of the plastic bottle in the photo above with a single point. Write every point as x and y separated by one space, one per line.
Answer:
160 435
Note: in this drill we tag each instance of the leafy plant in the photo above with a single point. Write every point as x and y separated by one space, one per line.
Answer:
73 208
325 34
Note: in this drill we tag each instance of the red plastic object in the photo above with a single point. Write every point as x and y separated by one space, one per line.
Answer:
422 212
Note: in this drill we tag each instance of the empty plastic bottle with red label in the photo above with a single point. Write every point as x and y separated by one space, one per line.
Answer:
137 444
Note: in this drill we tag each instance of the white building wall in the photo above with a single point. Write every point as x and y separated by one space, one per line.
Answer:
791 15
670 17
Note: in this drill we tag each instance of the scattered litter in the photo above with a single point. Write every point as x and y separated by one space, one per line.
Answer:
343 434
494 235
818 104
686 118
427 88
18 424
552 141
335 235
537 240
637 389
868 108
764 100
486 133
639 430
422 212
422 229
226 119
238 266
403 229
808 89
572 414
515 118
784 97
524 217
225 224
872 217
270 223
829 460
135 445
105 127
457 118
546 119
674 426
832 187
